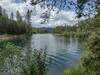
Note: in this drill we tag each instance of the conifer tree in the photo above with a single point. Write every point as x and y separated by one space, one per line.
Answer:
4 13
18 16
12 16
0 10
28 16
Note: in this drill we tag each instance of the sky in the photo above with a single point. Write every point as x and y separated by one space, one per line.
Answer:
63 17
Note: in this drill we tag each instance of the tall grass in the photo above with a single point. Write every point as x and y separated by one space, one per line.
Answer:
15 61
90 61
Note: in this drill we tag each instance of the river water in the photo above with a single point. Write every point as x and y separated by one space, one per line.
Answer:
64 52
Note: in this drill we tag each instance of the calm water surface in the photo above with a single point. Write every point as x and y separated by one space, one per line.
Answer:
63 52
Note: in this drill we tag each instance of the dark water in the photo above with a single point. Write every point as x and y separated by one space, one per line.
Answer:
63 52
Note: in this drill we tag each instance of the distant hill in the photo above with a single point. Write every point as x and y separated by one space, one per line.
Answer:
44 30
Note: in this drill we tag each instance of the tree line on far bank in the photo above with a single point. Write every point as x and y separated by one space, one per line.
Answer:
15 27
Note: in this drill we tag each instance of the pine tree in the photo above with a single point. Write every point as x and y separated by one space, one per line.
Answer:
12 16
0 10
18 16
28 17
4 13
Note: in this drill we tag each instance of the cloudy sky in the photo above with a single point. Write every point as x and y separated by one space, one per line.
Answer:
63 17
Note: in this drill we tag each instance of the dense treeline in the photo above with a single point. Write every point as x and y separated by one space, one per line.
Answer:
42 30
10 26
81 29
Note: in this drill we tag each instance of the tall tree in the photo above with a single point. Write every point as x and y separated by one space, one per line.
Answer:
0 10
18 16
12 16
28 16
4 13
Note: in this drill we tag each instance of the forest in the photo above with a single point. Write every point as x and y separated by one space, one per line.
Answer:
16 60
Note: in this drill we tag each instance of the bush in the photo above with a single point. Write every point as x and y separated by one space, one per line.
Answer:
91 59
90 62
15 61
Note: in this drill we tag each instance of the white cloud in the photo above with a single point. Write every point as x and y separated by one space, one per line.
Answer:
63 17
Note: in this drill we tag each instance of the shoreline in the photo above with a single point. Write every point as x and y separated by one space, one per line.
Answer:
9 37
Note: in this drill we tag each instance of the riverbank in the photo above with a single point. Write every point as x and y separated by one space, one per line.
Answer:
10 37
74 34
7 37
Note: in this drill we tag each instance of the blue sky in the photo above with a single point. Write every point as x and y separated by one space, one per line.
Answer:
64 16
17 1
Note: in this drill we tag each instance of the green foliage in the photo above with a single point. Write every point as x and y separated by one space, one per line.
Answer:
9 55
82 29
91 59
78 72
75 72
59 29
8 26
35 64
42 30
15 61
90 62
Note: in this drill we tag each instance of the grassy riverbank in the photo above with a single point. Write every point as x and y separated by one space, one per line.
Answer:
7 37
11 37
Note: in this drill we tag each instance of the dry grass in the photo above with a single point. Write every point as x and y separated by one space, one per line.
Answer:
9 37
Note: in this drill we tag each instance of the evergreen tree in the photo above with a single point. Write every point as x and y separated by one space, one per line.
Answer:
0 10
18 16
12 16
28 17
4 13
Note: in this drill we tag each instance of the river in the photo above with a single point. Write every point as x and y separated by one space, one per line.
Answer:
64 52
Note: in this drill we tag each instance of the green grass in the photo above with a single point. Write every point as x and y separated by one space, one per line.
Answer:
21 62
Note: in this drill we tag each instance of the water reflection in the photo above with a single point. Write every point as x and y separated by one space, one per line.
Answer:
63 52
